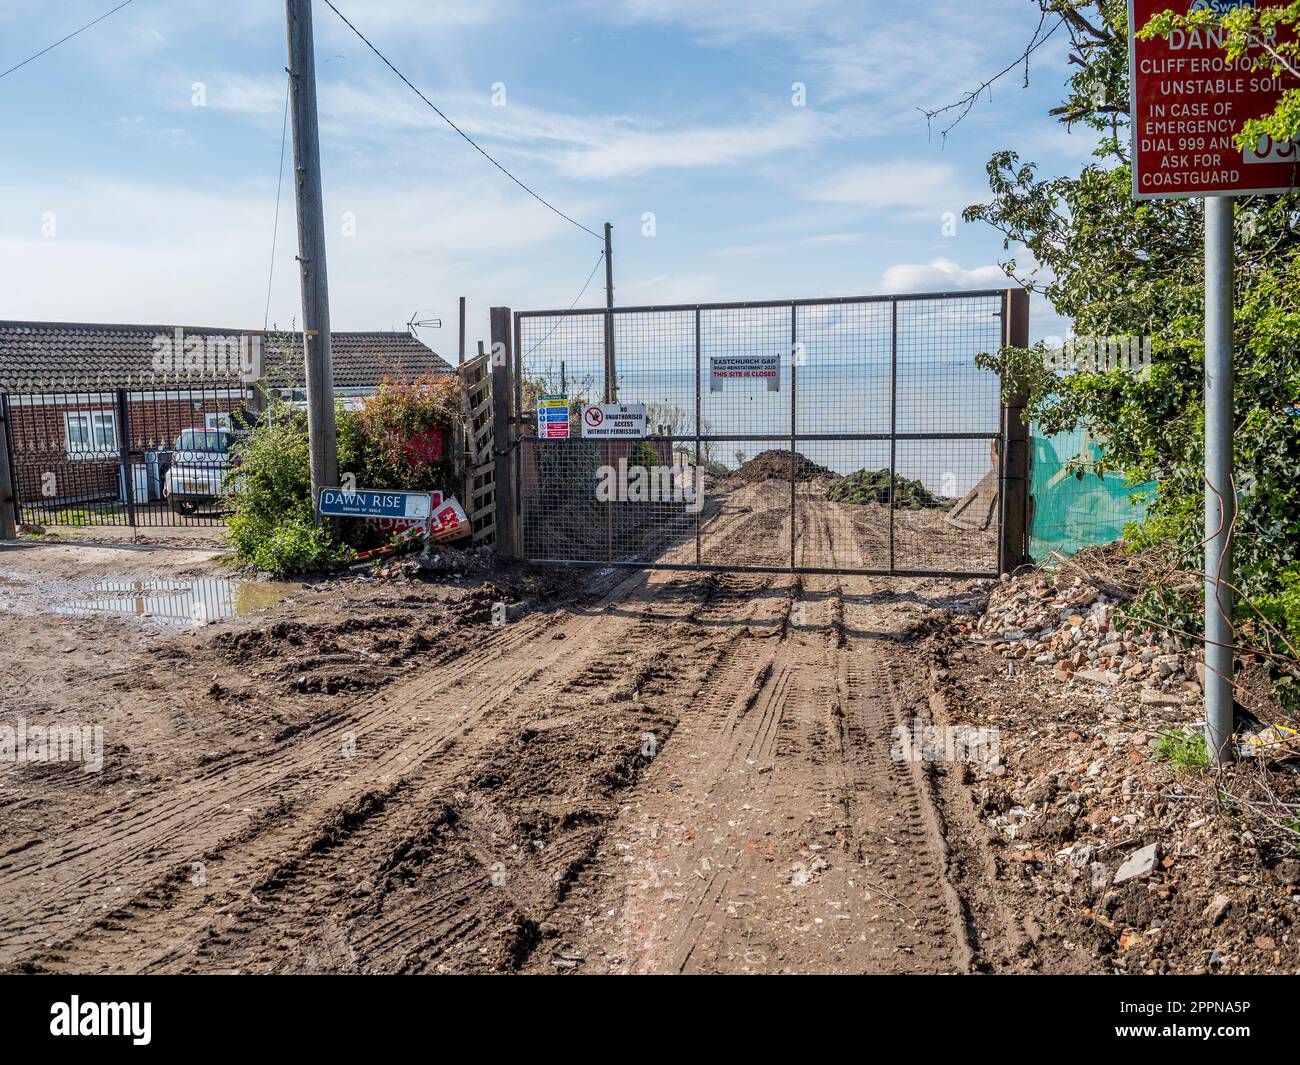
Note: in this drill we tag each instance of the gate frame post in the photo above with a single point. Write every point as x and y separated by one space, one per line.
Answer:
505 435
8 490
893 431
124 446
794 433
1013 487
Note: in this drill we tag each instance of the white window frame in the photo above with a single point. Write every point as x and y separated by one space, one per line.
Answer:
218 421
91 420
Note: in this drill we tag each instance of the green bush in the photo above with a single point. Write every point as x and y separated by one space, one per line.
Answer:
1116 267
644 454
273 526
1282 607
402 438
285 548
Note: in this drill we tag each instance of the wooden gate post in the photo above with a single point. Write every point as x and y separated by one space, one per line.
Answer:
1013 541
8 493
505 434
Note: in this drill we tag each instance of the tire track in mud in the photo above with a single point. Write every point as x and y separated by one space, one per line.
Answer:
406 762
497 806
778 833
446 900
134 846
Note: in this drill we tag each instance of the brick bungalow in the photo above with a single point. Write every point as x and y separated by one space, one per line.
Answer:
71 389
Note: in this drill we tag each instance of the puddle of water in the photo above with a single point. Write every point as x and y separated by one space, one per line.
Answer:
180 602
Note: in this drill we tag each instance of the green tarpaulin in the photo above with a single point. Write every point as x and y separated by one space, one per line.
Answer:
1069 512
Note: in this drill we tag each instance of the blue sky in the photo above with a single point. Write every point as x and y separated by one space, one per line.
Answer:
123 201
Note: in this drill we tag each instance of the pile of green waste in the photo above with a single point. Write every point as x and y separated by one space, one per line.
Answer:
872 486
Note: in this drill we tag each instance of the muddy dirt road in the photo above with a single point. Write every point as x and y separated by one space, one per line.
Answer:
665 772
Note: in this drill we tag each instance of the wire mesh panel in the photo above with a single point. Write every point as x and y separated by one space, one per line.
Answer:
847 435
130 457
619 501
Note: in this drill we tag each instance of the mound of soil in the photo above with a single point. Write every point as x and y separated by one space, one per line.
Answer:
774 465
872 486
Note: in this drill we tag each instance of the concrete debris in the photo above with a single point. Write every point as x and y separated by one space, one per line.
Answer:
1139 863
1068 628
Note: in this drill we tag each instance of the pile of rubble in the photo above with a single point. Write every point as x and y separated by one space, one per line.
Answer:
1115 853
1067 626
442 560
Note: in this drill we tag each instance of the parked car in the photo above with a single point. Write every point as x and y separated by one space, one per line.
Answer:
200 465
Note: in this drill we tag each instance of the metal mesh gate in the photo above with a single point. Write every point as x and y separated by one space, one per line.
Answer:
850 435
130 457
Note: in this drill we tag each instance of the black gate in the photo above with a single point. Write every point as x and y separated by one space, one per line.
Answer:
130 457
851 435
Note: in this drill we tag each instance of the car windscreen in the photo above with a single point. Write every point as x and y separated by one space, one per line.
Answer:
211 440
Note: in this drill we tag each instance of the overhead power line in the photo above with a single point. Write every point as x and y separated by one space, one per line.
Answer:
279 183
67 38
599 259
472 142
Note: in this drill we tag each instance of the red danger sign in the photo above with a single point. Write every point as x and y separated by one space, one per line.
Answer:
1189 101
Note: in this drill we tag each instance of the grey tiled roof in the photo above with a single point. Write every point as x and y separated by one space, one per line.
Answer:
48 356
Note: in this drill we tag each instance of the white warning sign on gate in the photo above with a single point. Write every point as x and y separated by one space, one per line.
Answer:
613 421
749 369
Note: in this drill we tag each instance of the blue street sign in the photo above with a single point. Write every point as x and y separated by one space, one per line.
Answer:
371 503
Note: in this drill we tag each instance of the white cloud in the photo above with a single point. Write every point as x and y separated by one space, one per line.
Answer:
834 238
673 288
820 240
941 275
590 147
727 21
909 185
152 253
924 54
631 153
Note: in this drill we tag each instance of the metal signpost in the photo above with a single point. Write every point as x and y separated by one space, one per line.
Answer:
1188 102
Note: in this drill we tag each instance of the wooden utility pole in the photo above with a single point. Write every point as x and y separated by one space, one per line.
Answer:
311 250
462 330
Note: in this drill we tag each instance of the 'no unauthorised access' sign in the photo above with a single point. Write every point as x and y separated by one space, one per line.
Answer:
614 421
1188 102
